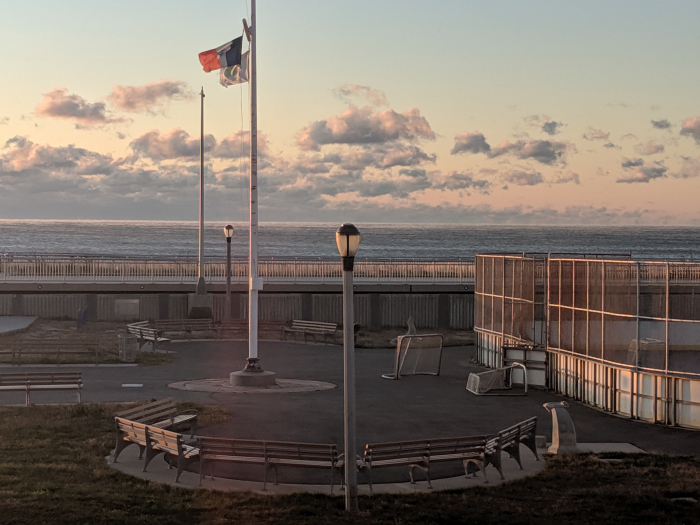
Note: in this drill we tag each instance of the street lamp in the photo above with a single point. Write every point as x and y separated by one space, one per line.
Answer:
348 240
228 232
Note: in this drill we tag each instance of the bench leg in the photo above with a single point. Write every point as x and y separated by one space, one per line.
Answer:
425 468
495 460
514 452
265 469
476 465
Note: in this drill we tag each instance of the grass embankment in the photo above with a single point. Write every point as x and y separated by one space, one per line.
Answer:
52 470
102 335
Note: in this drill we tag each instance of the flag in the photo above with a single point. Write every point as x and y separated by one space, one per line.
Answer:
230 76
223 56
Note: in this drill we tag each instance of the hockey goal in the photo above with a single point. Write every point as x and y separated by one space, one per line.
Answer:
419 354
499 379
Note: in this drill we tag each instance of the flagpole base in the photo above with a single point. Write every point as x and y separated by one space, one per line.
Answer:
253 375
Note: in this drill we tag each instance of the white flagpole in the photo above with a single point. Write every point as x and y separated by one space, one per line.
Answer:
253 374
254 281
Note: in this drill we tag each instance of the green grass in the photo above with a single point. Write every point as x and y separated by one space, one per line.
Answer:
52 470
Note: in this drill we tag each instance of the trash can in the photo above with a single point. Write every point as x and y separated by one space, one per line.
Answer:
128 346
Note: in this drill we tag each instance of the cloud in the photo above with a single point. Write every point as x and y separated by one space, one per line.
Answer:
569 176
456 180
661 124
610 145
630 136
58 103
595 134
237 145
691 127
546 124
551 128
631 163
523 178
4 120
346 92
150 98
638 172
470 143
689 170
543 151
22 156
363 126
173 144
650 148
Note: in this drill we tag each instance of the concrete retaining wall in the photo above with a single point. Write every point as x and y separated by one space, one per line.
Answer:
429 310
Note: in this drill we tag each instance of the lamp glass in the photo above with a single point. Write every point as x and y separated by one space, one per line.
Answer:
228 231
348 240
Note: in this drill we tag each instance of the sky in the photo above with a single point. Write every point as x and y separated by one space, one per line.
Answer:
487 112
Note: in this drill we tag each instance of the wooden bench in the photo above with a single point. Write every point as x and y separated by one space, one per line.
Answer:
313 328
146 334
420 454
31 382
509 440
17 349
269 454
188 326
162 414
153 441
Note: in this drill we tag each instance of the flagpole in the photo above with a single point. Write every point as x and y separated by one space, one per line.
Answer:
201 285
253 374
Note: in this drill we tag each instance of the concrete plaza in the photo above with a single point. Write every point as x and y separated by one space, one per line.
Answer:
411 408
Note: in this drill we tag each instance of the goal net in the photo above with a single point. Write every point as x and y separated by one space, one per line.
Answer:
498 379
419 354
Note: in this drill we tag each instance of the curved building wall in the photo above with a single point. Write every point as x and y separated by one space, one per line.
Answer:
620 335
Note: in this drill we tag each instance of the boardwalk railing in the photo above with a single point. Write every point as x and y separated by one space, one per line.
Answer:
25 268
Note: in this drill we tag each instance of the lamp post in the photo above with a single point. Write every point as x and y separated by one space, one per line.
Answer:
228 232
348 240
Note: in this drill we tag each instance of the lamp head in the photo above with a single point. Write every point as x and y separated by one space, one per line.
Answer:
228 232
348 240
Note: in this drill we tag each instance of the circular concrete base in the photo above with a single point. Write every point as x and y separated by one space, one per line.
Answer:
223 386
245 378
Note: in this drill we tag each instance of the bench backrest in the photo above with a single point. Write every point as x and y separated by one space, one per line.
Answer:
151 412
474 445
45 344
396 450
165 440
297 323
143 331
301 451
517 432
48 378
210 446
131 430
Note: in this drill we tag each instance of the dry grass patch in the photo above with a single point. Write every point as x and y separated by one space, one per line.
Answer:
52 470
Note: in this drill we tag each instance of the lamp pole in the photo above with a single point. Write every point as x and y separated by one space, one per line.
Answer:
348 240
201 285
228 232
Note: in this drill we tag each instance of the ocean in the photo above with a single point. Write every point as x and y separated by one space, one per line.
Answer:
379 241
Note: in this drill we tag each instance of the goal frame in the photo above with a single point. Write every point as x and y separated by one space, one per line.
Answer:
473 381
398 362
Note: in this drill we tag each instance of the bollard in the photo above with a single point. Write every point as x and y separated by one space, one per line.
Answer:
563 431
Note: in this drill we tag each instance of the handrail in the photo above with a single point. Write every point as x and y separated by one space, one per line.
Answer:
24 268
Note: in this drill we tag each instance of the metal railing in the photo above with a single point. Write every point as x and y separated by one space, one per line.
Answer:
52 268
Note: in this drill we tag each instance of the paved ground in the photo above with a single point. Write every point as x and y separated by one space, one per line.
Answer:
11 323
411 408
